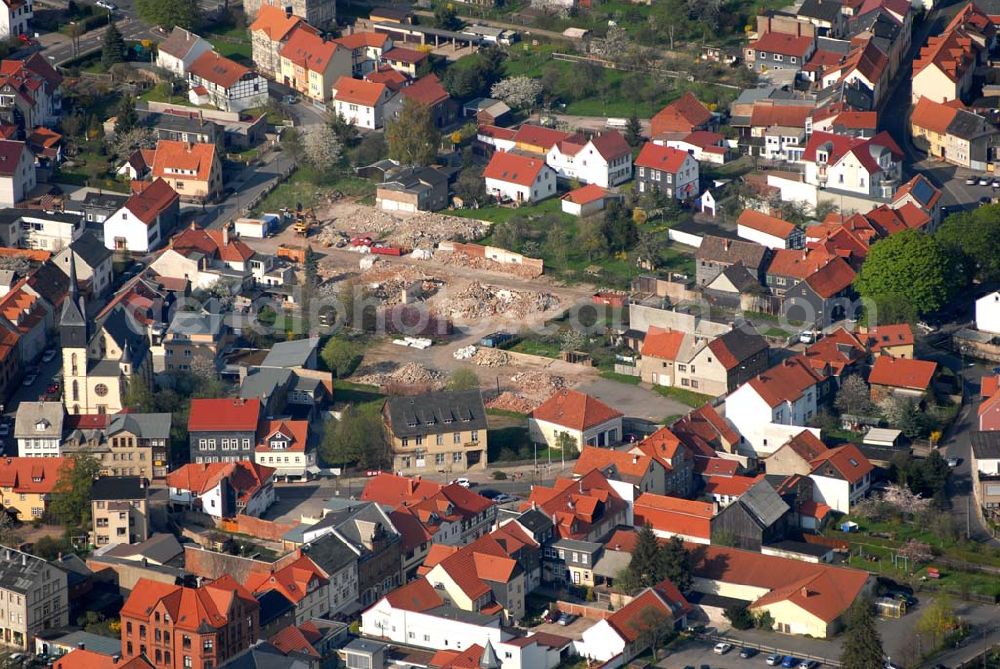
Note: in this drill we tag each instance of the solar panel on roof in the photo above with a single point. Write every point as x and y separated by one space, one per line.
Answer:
922 191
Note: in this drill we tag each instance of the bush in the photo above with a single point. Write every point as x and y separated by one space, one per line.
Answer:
740 617
499 476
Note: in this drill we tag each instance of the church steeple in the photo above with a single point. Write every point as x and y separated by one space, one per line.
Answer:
73 328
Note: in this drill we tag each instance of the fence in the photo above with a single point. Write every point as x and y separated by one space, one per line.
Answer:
739 643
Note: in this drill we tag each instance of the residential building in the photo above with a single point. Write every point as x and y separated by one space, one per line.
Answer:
413 189
841 477
944 67
988 313
47 231
775 405
519 178
986 468
284 445
362 103
624 634
311 63
180 50
584 419
604 159
954 135
429 92
717 254
223 489
706 147
146 219
796 456
269 32
777 129
838 354
575 563
17 171
677 460
644 472
320 13
788 268
901 377
177 627
191 338
101 355
301 581
769 231
223 429
339 562
27 316
587 200
97 207
780 51
205 257
225 84
895 340
801 597
194 171
441 430
405 61
828 17
27 484
31 93
683 116
119 510
367 50
671 171
14 19
33 597
584 509
823 297
866 167
691 520
94 268
757 517
38 429
137 444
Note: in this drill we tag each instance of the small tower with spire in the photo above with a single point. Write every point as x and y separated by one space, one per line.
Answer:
489 659
74 336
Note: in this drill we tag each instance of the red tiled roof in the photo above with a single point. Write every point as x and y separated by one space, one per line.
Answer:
292 640
786 381
673 515
716 467
769 225
212 244
990 386
632 620
831 279
403 55
575 410
274 22
363 40
191 609
152 201
244 476
806 445
417 596
769 114
392 79
682 115
357 91
514 168
307 49
887 336
576 504
952 52
798 263
10 156
729 486
610 144
663 445
81 658
171 156
224 414
297 432
783 43
902 373
704 424
661 343
586 194
932 116
823 590
835 351
662 158
838 146
32 475
294 580
538 136
634 465
846 460
426 90
910 188
219 70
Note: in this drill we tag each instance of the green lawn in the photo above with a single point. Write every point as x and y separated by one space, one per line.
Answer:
241 52
154 94
497 214
355 393
91 168
536 347
688 397
303 184
620 378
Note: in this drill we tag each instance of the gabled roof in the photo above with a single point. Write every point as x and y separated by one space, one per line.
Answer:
245 477
730 486
514 168
274 22
171 155
436 413
682 115
932 116
575 410
295 580
218 70
769 225
902 373
731 251
392 79
306 48
798 263
179 43
704 431
839 146
152 201
887 336
831 279
664 158
296 431
32 475
190 608
224 414
783 43
427 91
357 91
575 505
10 156
806 445
662 343
536 135
212 244
768 114
674 515
847 461
398 54
952 52
737 346
586 194
835 352
364 40
631 621
631 466
785 382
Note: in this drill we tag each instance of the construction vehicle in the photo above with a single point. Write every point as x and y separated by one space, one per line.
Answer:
304 222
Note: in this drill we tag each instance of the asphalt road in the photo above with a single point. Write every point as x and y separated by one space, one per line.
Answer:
47 373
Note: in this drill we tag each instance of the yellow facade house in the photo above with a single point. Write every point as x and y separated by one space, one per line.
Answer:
311 63
27 484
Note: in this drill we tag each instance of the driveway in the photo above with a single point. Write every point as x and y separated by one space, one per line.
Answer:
634 401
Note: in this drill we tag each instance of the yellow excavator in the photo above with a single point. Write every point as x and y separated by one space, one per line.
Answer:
304 222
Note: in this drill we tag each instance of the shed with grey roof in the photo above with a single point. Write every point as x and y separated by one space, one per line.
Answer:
301 353
758 517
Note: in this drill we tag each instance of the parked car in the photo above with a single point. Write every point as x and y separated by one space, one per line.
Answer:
807 337
567 619
971 181
789 662
722 648
4 429
464 482
772 660
49 354
808 664
746 652
953 461
504 498
984 181
996 370
106 4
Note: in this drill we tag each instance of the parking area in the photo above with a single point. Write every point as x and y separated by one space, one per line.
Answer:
572 631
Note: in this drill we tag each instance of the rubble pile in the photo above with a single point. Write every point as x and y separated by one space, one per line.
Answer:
491 357
536 383
508 401
388 373
459 259
464 353
479 300
422 230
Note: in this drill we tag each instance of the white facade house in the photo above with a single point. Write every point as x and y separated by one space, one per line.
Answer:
841 477
604 159
988 313
672 172
225 84
14 16
362 103
50 231
181 48
38 428
774 406
769 231
142 224
17 172
518 178
222 489
869 168
587 420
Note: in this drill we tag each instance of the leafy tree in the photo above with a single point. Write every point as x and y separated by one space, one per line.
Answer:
49 547
592 240
371 149
75 30
126 117
291 143
310 266
938 619
446 18
71 496
358 437
463 378
913 265
474 75
649 248
169 13
654 627
891 308
739 615
618 227
975 237
676 564
646 564
138 396
321 148
518 92
340 356
633 131
113 47
854 397
346 132
764 621
862 647
413 138
508 234
471 188
566 442
124 144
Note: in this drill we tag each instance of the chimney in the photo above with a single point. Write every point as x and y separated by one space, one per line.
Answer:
635 458
725 244
288 12
225 235
116 658
24 559
805 591
81 645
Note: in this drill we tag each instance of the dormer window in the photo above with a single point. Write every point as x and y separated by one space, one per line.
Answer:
42 425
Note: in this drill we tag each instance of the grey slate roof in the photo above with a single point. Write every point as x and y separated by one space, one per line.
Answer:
263 655
273 605
611 563
158 549
143 425
763 503
34 415
574 545
824 10
90 250
969 126
118 487
535 522
179 43
105 200
196 323
19 571
743 341
330 553
263 382
365 646
436 413
291 353
732 251
96 642
985 445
